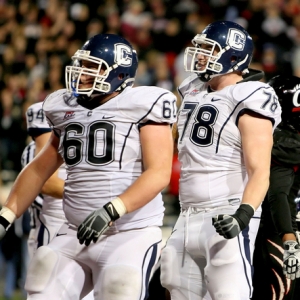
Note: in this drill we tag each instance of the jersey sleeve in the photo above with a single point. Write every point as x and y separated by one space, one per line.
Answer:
36 120
258 97
151 104
54 104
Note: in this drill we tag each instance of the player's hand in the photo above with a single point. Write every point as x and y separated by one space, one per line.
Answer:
7 217
96 224
291 259
229 226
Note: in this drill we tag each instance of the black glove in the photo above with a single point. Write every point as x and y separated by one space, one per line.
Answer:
4 225
291 259
96 224
229 226
7 217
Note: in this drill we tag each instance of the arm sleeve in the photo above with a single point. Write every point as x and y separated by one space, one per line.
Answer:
257 97
286 148
292 195
281 181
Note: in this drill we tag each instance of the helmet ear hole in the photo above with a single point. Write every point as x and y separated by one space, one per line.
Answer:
233 59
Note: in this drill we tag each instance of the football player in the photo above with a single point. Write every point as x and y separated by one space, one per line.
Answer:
46 211
45 219
36 207
116 143
277 251
225 125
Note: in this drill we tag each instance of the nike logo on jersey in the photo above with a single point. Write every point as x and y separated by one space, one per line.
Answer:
59 234
107 117
215 99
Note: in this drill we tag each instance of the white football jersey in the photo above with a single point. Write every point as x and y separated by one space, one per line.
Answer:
209 143
102 150
36 206
37 124
36 120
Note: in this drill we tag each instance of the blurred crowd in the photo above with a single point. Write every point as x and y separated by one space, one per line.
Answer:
38 38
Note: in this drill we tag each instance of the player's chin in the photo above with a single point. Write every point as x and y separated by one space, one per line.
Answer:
83 86
200 67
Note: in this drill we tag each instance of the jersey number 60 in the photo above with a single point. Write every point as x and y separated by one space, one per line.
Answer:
98 133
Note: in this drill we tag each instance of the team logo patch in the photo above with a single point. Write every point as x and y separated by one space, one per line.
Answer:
123 55
296 97
236 39
194 92
69 115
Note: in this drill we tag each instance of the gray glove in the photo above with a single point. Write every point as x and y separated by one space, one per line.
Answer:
226 226
96 224
291 259
229 226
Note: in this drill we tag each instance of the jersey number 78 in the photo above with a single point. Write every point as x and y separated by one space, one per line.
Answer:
202 130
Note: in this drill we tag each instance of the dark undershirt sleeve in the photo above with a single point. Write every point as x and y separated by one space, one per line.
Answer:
293 194
281 181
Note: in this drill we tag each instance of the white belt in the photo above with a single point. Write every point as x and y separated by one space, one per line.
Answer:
188 210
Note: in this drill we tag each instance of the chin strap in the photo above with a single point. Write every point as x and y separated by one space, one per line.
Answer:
204 77
253 75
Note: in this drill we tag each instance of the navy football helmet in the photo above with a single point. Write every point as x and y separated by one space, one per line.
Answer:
287 89
230 48
111 53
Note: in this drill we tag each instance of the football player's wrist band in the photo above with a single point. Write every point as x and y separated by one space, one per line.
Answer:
119 206
251 206
7 217
244 214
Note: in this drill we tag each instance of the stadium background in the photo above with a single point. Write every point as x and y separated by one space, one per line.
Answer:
37 39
